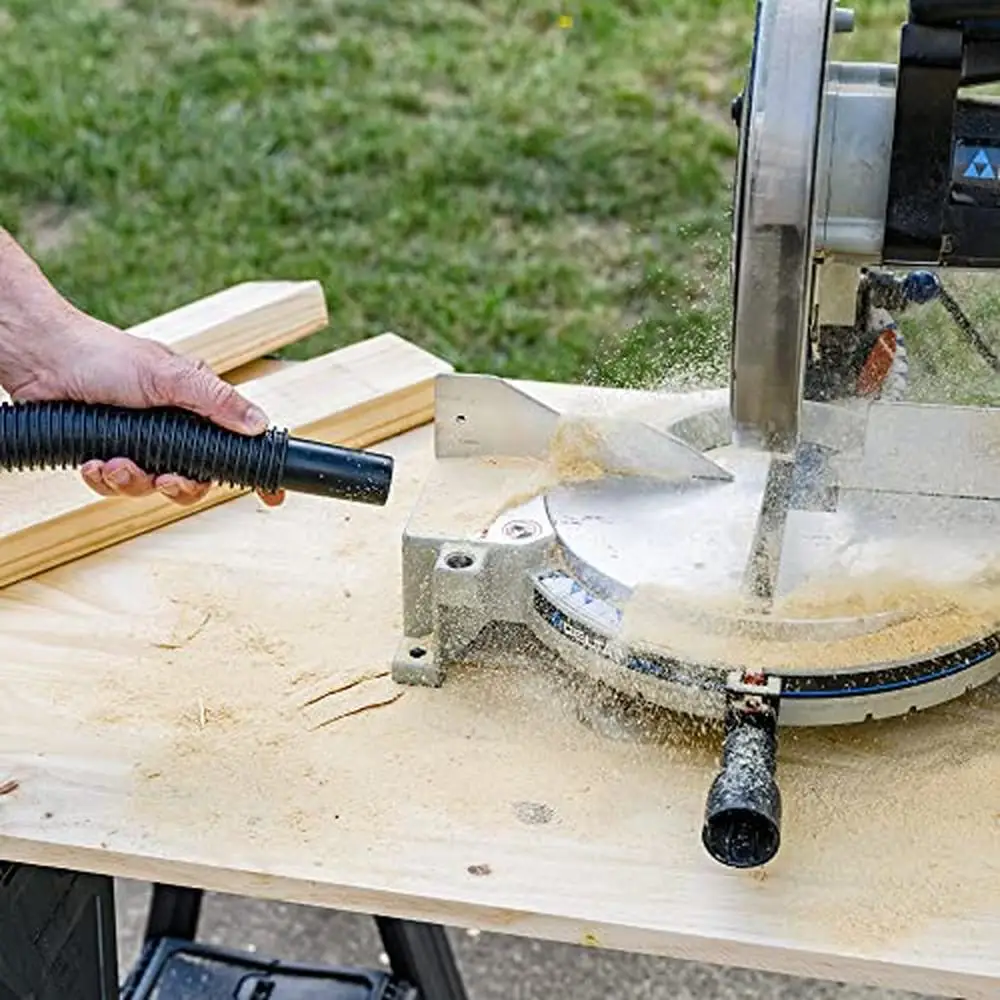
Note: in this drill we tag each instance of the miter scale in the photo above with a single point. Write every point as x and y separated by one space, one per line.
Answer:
804 548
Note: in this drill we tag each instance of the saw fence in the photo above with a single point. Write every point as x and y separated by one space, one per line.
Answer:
210 704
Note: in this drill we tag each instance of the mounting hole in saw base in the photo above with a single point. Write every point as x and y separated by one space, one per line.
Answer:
459 560
417 652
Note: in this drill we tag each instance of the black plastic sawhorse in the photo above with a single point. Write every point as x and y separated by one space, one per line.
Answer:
58 938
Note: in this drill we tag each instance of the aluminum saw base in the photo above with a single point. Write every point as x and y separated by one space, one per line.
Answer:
496 537
561 523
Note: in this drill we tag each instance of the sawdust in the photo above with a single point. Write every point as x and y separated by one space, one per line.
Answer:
577 453
901 809
209 709
304 677
574 452
533 813
927 618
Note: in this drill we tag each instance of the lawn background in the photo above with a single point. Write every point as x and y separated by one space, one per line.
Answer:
525 188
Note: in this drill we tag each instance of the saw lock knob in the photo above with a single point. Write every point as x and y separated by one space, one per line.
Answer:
742 827
169 440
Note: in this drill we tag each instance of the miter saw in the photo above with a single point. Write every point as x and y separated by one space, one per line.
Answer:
804 548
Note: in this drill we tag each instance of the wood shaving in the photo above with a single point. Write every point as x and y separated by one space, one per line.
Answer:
369 704
329 689
179 641
374 689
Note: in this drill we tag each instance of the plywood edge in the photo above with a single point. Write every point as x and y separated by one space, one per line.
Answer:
388 386
475 913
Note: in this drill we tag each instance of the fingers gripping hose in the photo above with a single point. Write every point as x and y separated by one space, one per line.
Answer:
166 440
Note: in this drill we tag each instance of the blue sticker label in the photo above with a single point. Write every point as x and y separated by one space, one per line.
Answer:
976 163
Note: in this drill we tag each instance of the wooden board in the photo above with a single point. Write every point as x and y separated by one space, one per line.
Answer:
153 716
233 329
257 369
240 324
356 396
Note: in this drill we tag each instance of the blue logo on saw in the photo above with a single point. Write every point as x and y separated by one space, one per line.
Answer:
981 167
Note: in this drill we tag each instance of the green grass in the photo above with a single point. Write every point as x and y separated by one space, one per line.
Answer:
518 197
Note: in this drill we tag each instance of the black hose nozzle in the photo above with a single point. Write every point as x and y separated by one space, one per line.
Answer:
40 435
743 815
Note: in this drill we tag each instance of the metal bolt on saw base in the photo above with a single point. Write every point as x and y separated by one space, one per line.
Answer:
520 531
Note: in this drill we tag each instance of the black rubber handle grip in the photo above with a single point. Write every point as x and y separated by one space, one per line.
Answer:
166 440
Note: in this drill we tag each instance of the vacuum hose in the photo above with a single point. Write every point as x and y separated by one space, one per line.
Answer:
40 435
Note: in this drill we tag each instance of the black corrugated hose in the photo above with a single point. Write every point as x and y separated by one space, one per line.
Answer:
52 435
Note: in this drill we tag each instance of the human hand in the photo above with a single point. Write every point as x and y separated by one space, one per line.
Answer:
84 359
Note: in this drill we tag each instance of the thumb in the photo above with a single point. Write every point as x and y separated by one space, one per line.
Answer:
192 385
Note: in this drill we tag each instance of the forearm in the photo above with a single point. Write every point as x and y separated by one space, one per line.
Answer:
32 312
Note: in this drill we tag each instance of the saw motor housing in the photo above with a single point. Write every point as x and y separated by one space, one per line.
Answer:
845 166
720 503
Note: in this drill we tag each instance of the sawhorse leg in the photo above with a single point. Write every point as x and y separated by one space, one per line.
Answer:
173 913
421 954
57 935
418 953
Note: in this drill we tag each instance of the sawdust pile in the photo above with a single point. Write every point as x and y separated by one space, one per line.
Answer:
916 617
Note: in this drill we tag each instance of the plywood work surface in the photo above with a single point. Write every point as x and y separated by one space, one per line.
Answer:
209 704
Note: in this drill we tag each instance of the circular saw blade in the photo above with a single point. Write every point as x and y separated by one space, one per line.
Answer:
773 246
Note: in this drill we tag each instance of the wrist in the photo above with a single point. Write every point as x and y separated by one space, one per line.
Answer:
36 322
33 344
